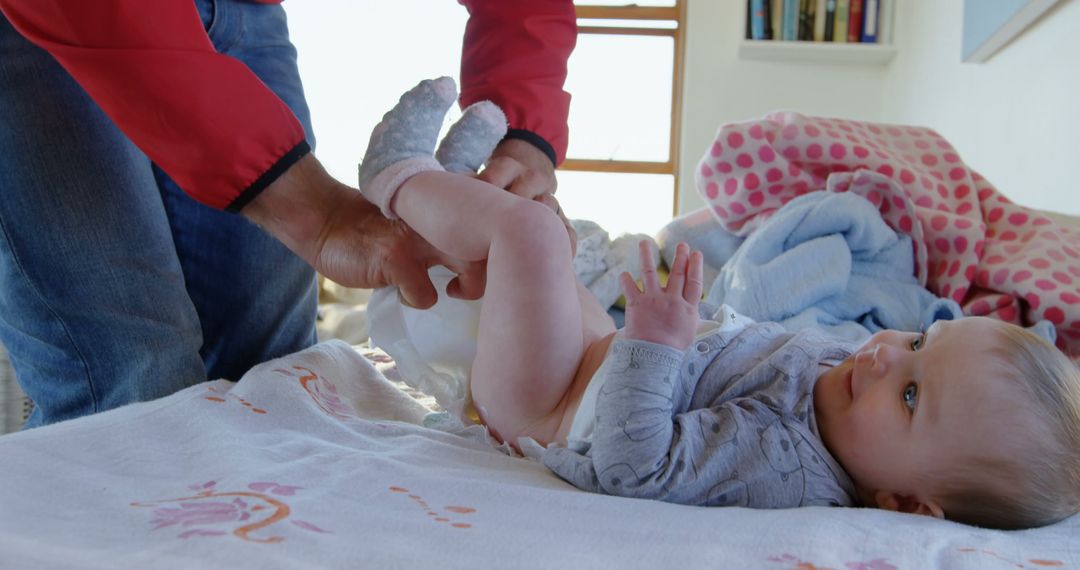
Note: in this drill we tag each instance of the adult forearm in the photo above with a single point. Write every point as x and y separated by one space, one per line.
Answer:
203 117
515 54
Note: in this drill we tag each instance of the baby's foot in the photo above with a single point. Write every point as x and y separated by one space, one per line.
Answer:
472 138
403 143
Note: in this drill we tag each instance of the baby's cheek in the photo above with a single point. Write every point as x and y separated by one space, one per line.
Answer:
863 432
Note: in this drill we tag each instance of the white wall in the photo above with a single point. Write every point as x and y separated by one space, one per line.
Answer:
1013 118
721 88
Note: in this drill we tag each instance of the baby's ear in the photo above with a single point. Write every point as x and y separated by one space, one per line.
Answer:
908 504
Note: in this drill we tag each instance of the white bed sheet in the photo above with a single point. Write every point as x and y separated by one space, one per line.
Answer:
316 460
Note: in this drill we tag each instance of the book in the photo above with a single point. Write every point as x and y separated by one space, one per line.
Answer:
830 19
790 20
757 20
819 20
811 12
871 15
776 14
749 16
855 17
803 24
768 19
840 26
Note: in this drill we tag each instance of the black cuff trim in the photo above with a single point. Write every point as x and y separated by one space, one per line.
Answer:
268 177
533 139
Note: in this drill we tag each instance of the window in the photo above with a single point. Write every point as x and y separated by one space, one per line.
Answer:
625 77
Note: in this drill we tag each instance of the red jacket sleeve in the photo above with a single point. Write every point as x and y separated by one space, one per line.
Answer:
515 54
203 117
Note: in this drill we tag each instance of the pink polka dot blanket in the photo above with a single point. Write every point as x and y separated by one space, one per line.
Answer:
971 243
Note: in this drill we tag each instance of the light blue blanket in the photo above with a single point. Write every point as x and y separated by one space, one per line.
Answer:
828 260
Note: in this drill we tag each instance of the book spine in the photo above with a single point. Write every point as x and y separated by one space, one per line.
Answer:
749 16
871 16
819 21
811 18
830 19
791 20
776 12
840 27
769 34
757 19
803 13
855 17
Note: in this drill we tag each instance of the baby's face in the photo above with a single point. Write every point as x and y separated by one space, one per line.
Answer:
906 401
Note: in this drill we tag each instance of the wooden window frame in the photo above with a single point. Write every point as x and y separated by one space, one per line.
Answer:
630 14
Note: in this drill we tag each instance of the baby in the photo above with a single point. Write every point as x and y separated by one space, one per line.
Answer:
974 420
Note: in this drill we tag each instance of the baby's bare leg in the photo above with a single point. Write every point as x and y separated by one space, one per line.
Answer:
531 336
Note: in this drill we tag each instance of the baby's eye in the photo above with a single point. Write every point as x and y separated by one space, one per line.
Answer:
917 342
910 396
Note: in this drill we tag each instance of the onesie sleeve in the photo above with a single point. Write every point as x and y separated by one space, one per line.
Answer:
735 453
201 116
515 54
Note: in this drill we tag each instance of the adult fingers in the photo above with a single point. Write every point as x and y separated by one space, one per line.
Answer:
538 174
529 184
694 278
470 281
502 172
414 286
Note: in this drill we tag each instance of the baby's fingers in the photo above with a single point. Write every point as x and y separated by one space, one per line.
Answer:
650 282
678 269
694 277
629 286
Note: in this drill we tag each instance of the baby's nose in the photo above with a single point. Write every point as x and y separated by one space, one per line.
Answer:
875 360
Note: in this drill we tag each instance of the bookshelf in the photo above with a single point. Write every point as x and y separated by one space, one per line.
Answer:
880 53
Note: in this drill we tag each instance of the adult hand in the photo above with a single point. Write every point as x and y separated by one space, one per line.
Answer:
521 168
345 238
664 315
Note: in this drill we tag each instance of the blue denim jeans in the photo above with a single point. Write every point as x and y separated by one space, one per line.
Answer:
115 286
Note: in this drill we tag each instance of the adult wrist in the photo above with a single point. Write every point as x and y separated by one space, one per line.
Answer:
535 141
297 206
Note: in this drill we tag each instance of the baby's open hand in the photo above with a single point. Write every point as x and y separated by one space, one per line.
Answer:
664 315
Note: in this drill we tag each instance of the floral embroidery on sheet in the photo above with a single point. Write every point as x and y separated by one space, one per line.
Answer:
435 515
1035 562
322 392
217 396
795 563
247 514
383 363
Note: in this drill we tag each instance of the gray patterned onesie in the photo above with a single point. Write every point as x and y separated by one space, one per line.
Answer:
728 422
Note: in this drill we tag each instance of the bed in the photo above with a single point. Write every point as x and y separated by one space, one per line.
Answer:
341 456
319 460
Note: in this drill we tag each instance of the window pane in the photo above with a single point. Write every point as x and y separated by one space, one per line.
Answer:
621 105
624 3
619 203
337 38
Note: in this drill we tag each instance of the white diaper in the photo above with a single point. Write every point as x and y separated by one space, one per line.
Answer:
579 438
434 348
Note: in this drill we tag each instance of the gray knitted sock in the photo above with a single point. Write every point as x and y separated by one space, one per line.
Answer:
471 139
402 145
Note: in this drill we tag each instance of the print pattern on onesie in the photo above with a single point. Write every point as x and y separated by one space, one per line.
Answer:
735 434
